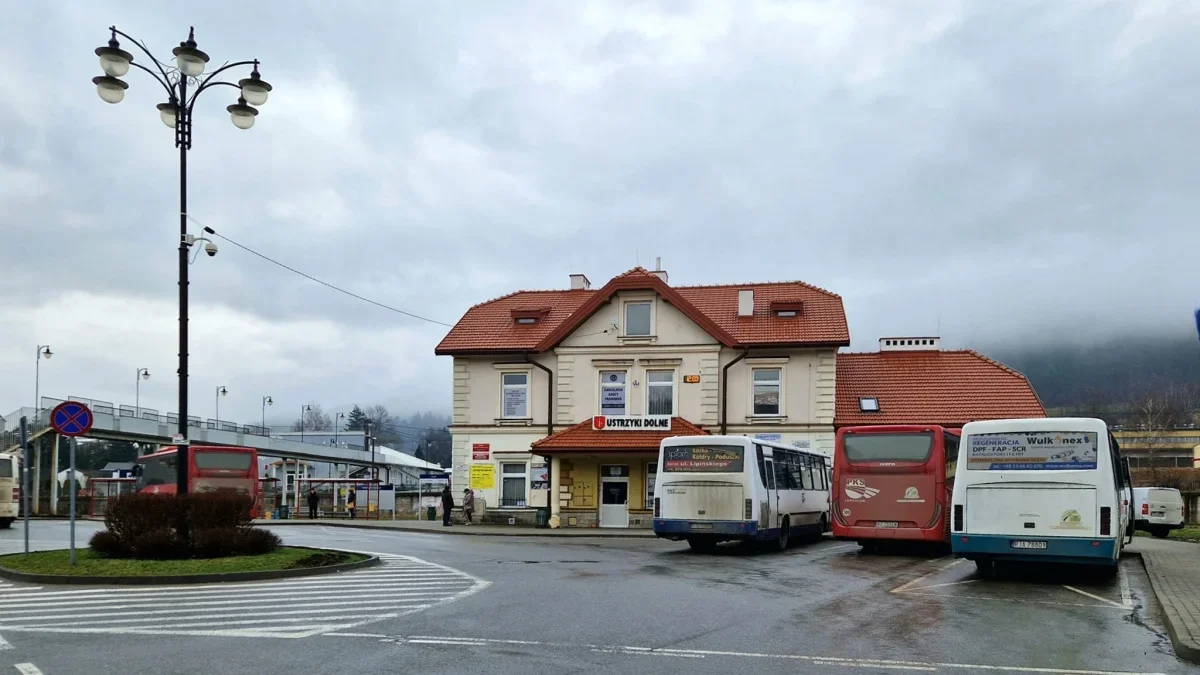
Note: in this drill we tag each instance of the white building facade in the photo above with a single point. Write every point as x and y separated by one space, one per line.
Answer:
548 383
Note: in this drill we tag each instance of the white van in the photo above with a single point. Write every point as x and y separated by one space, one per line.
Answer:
1157 510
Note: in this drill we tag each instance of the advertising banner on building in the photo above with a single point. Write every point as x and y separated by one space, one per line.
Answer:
539 476
1033 451
483 476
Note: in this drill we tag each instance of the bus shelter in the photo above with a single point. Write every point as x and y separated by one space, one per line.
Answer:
268 497
333 494
103 489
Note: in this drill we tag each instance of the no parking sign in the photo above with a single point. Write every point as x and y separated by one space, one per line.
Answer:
71 418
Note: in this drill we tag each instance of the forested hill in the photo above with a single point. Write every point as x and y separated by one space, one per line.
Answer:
1110 373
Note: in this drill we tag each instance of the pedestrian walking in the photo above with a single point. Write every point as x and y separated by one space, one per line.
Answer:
352 502
313 501
468 504
447 505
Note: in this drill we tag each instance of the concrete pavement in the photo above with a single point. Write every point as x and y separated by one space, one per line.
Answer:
1174 571
591 604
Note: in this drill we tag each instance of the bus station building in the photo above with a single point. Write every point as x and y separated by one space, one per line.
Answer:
561 397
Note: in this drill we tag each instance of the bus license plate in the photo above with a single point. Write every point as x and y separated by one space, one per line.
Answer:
887 523
700 526
1028 544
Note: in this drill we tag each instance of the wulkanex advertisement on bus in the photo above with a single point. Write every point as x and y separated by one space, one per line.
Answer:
1033 451
703 459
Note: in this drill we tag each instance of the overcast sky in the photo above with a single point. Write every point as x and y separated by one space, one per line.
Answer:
996 171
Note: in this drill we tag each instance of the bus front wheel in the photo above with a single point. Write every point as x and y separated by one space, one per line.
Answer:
702 544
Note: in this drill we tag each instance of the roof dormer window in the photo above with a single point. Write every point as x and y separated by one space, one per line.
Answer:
868 404
787 309
529 317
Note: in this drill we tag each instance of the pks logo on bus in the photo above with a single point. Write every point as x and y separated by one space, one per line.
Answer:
856 488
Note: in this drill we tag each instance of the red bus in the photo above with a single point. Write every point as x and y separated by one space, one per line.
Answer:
212 468
893 482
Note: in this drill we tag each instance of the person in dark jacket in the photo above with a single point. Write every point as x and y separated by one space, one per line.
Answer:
313 501
352 502
447 505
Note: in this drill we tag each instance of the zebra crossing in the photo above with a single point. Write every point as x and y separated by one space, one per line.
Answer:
286 608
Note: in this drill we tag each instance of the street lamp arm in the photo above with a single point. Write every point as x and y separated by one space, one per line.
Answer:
127 36
220 70
206 85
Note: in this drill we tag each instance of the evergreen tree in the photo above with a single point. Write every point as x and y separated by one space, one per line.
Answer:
356 420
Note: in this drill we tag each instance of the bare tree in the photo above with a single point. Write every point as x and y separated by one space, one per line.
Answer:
379 416
1160 409
314 419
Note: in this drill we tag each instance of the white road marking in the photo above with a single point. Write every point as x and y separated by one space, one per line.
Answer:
1095 597
952 583
4 644
887 664
943 568
1018 600
1126 596
27 669
401 585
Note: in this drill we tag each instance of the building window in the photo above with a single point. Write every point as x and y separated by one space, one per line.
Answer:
768 387
612 392
867 404
637 318
512 485
660 392
651 480
514 395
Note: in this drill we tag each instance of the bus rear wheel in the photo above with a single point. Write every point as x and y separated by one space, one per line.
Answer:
985 567
6 523
784 534
702 544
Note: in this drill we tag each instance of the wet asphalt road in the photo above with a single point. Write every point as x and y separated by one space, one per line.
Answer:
627 605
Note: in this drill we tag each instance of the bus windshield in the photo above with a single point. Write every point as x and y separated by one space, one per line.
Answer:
888 447
223 461
703 459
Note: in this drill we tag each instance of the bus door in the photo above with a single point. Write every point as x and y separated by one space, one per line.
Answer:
772 494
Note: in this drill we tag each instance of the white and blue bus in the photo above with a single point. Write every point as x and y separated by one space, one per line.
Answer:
1046 489
722 488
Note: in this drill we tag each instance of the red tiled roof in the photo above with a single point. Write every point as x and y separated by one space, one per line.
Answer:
822 318
582 437
489 327
949 388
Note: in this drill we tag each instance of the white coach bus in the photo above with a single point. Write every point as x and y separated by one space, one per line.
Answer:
721 488
1046 489
10 492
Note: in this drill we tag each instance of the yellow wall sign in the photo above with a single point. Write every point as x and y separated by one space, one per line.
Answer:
691 379
483 476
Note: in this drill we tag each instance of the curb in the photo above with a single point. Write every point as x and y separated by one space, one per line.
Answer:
173 579
458 530
1184 648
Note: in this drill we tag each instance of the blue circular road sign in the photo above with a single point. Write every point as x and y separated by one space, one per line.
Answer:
71 418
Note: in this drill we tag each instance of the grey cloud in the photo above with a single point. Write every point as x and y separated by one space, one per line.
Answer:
945 168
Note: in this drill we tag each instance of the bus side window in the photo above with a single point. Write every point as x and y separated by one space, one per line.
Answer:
806 474
762 465
951 442
795 466
783 477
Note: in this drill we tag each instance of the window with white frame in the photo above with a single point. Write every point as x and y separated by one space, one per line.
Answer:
514 395
613 393
768 391
660 392
637 319
512 484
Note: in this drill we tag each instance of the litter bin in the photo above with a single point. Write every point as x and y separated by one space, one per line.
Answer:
542 517
431 513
